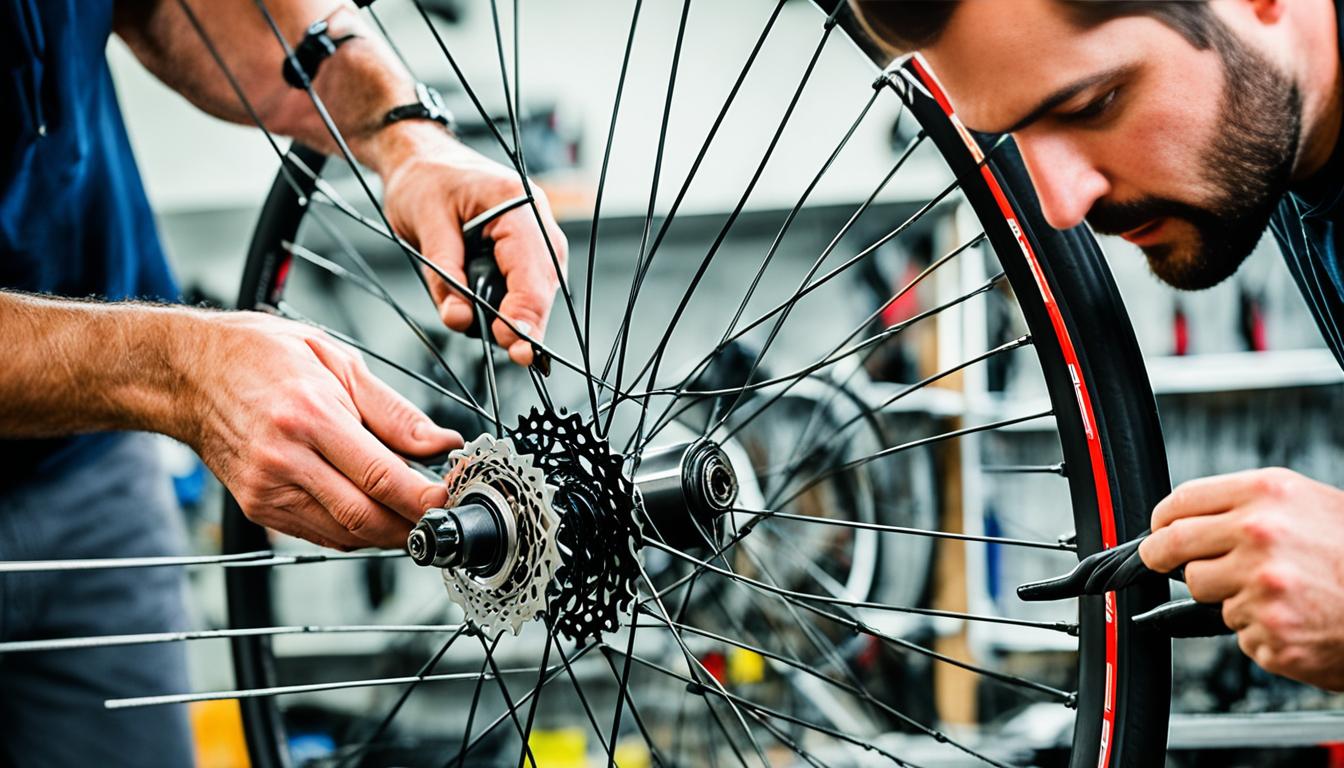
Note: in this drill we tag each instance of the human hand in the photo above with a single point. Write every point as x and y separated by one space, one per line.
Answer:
302 433
1267 543
431 189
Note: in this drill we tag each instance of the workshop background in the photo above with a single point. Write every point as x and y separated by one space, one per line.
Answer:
1242 377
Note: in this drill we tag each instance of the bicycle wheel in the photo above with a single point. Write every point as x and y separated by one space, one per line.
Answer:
741 611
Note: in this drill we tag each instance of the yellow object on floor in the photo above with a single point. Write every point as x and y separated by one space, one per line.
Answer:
632 753
217 730
745 667
560 748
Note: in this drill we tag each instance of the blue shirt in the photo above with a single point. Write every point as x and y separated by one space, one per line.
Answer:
74 220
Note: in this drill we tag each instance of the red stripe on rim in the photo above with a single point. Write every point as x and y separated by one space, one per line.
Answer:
1103 487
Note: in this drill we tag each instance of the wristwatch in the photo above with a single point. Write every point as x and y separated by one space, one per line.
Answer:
428 106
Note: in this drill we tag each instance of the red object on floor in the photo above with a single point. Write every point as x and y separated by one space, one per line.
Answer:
1180 332
1334 754
717 665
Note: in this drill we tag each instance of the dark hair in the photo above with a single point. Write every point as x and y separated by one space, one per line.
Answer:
901 26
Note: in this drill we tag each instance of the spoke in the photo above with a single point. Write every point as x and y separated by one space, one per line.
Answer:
623 688
820 642
488 366
661 347
541 672
466 292
336 136
867 321
387 38
732 333
513 709
699 670
905 447
859 626
508 701
779 239
520 165
683 386
282 690
643 260
833 434
1027 469
602 179
369 282
462 79
1058 626
850 621
736 701
639 721
475 704
258 559
583 700
425 669
838 354
289 312
770 515
150 638
695 165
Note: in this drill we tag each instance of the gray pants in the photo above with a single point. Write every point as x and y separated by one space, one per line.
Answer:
51 703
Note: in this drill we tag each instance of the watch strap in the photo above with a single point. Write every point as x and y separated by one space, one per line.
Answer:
428 106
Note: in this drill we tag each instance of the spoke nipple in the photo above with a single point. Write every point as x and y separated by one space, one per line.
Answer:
1072 701
882 81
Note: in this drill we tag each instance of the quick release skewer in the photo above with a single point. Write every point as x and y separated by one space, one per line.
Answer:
472 535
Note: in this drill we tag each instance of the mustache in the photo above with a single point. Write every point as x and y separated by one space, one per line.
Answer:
1109 218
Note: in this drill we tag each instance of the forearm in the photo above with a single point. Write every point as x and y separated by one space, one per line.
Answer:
357 85
82 366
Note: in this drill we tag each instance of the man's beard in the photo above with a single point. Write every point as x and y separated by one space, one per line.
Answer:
1250 164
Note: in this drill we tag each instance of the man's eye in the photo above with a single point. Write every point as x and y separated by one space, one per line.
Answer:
1096 108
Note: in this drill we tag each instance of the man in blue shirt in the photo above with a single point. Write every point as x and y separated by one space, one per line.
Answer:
293 423
1187 128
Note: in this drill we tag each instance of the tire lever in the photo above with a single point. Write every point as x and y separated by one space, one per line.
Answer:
1120 567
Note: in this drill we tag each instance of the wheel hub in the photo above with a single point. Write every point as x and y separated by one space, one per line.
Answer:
547 521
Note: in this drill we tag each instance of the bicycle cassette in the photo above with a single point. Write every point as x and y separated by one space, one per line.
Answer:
600 534
492 473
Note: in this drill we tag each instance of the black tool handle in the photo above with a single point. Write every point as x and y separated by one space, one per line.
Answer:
484 277
1185 618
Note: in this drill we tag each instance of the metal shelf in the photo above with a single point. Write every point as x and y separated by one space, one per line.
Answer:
1241 371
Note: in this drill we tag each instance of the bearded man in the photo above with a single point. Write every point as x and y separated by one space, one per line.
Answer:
1188 129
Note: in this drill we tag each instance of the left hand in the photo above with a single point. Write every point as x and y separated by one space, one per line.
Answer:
1268 544
433 188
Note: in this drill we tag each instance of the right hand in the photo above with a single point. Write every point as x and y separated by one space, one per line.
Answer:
302 433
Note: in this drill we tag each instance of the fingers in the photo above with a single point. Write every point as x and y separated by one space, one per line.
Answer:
395 420
441 243
1215 580
1211 495
524 256
1188 539
350 508
299 514
378 473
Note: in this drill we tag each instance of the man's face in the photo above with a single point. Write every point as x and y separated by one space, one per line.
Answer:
1130 127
